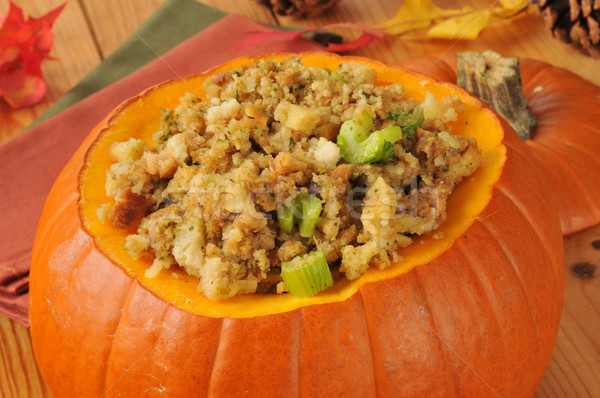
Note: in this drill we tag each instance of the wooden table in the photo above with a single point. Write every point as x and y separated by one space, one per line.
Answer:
89 30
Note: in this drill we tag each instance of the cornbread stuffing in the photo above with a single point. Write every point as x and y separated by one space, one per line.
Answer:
282 160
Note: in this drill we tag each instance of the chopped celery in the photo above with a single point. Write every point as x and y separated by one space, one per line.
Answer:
305 210
285 219
358 146
311 210
306 275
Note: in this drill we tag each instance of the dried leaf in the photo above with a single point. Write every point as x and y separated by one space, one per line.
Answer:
513 4
411 20
368 35
363 40
465 26
460 23
24 44
412 14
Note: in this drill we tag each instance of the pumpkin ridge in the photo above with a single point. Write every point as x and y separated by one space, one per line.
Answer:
572 137
87 248
131 294
558 110
567 168
579 133
215 356
299 337
296 355
493 233
432 325
592 156
501 187
364 314
556 81
124 304
570 145
471 265
528 80
523 210
61 289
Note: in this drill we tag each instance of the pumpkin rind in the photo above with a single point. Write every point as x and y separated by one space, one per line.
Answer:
566 141
478 320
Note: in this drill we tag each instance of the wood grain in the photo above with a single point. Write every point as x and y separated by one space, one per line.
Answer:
575 366
19 376
89 30
111 22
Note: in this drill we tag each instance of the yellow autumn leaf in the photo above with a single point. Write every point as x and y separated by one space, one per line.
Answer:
513 5
413 14
511 13
466 26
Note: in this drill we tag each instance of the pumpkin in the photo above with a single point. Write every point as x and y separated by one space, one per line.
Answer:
474 312
566 140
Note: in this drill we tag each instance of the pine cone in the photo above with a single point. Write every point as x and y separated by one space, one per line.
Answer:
299 8
574 21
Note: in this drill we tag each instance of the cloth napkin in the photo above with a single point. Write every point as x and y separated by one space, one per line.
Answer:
31 161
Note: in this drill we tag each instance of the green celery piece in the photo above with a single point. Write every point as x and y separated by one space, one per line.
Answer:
391 133
352 133
285 218
311 207
306 275
374 149
357 146
305 210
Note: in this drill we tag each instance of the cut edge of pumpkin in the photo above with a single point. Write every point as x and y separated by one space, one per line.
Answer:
176 287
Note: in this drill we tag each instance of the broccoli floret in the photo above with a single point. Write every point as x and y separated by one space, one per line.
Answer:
358 146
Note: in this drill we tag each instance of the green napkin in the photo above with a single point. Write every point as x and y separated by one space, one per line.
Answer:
153 38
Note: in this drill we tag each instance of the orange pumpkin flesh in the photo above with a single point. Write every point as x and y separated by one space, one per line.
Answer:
475 313
566 140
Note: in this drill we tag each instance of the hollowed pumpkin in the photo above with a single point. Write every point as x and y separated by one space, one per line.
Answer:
473 314
566 140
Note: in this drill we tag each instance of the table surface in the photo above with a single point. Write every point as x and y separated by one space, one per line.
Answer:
90 30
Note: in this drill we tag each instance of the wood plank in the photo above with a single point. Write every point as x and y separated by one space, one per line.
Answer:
19 376
123 17
113 21
575 367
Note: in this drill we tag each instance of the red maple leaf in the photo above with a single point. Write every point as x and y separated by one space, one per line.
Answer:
24 44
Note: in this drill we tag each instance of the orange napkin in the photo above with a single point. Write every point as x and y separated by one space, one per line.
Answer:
31 161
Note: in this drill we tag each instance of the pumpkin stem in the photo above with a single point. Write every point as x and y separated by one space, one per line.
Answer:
497 82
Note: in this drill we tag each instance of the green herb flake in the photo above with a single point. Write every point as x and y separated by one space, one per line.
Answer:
167 114
392 116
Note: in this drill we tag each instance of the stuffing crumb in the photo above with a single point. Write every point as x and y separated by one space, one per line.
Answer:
102 212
